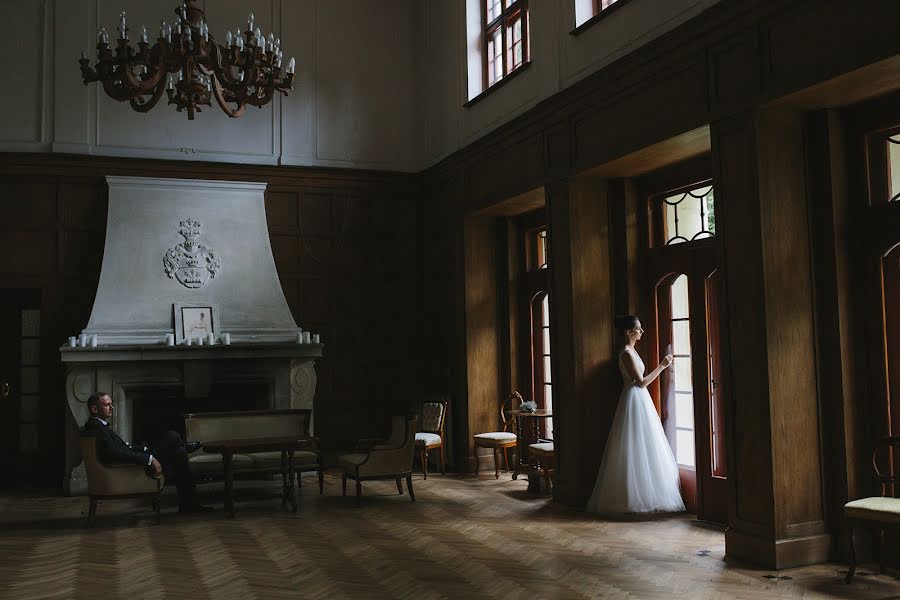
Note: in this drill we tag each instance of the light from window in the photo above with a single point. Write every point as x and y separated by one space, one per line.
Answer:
689 215
681 370
894 166
545 360
600 5
505 38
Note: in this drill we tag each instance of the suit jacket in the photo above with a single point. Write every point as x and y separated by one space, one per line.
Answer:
111 449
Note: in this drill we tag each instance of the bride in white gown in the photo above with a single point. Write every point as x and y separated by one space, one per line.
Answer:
638 473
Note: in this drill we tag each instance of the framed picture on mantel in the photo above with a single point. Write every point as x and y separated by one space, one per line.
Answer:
195 320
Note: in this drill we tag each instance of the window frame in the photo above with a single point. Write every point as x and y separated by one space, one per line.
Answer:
509 10
599 14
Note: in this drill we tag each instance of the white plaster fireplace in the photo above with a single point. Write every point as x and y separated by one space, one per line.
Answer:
171 245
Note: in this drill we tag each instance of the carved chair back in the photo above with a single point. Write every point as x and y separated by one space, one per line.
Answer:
887 450
434 415
511 402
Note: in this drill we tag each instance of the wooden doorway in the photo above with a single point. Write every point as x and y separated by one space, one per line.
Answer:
20 382
682 278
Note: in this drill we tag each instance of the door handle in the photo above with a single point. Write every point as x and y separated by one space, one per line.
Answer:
4 390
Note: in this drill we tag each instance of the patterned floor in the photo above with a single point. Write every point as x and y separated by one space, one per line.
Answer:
463 538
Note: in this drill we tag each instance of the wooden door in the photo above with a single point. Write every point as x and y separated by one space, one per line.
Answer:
19 383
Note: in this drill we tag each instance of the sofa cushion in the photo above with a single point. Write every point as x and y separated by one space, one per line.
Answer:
429 439
351 462
272 460
208 463
884 510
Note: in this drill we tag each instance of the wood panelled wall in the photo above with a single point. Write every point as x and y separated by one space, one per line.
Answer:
346 244
701 88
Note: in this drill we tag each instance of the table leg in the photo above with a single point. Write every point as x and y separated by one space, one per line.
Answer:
227 456
291 490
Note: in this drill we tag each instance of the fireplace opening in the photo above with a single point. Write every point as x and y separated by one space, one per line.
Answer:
159 408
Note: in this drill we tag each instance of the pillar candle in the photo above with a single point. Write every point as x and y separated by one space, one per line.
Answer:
82 340
306 338
316 339
94 341
170 339
210 339
226 339
188 341
72 341
299 337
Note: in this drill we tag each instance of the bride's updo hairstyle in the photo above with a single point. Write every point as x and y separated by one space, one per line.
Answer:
625 323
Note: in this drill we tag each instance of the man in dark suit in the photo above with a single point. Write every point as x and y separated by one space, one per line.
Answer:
169 455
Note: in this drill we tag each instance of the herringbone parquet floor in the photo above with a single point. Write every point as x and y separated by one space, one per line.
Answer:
463 538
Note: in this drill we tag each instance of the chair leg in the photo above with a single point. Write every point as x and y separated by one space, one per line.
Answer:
424 463
475 454
400 485
852 568
321 482
358 493
92 512
881 553
343 484
156 504
506 458
443 459
412 495
496 465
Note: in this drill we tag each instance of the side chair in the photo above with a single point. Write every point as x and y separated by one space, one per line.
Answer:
498 440
431 434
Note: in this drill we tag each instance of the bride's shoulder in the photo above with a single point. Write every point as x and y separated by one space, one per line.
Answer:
626 351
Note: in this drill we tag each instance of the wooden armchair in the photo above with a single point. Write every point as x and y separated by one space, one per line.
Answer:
382 459
431 435
115 481
882 511
498 440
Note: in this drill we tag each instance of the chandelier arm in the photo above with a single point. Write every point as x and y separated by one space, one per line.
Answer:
139 106
223 104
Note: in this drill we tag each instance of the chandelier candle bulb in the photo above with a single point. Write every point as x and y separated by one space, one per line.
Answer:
292 64
250 22
144 36
228 38
84 55
123 31
270 42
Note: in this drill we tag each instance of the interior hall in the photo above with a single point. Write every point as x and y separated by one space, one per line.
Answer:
439 298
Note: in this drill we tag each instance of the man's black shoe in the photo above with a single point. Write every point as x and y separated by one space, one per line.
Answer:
193 446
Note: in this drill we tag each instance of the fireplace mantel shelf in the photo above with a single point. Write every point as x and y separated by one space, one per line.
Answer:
158 352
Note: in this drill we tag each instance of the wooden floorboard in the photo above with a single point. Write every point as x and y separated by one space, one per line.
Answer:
463 538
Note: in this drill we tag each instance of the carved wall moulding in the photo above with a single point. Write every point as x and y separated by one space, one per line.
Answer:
190 262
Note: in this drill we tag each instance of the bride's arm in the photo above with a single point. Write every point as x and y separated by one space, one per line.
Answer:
632 370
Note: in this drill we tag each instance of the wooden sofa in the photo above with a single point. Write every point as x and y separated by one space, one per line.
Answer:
238 425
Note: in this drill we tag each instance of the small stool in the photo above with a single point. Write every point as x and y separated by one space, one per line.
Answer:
542 458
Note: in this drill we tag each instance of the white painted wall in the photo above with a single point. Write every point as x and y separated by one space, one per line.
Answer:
558 59
353 103
380 84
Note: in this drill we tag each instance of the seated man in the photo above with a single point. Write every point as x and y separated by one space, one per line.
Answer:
168 455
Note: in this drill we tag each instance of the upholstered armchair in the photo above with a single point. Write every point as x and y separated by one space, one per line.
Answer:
431 434
115 481
382 459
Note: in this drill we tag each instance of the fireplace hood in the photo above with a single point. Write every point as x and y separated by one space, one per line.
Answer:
187 243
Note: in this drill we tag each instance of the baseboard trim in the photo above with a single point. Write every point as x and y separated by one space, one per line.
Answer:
782 553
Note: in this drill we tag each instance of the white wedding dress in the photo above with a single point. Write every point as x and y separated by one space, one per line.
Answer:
638 473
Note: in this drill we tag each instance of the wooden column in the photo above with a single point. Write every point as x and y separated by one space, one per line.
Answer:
776 511
482 311
585 379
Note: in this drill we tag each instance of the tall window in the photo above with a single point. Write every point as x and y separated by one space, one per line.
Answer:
505 38
683 389
535 293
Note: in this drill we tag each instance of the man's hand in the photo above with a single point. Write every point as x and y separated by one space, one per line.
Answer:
157 468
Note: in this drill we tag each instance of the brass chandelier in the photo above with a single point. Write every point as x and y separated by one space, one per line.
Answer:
190 66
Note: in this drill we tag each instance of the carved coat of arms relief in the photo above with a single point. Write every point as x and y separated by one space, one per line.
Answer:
190 262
